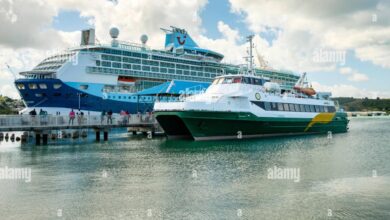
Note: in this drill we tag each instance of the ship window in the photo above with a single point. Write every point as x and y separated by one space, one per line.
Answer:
40 94
291 106
312 108
274 106
32 86
285 106
302 108
321 108
57 85
296 107
227 80
307 108
116 65
20 86
84 87
237 80
146 68
257 81
326 109
106 64
267 106
317 108
280 106
42 86
97 62
331 109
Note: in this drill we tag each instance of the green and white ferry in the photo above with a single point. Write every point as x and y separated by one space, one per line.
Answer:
245 106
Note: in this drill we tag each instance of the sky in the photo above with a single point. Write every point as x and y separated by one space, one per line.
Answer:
344 46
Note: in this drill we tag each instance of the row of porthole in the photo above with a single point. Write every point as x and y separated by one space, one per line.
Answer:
33 86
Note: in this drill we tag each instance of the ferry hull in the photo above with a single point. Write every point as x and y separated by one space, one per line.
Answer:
203 125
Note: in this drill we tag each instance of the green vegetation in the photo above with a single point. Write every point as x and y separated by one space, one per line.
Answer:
365 104
10 106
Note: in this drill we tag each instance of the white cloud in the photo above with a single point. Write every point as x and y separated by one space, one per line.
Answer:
346 70
353 75
344 90
333 24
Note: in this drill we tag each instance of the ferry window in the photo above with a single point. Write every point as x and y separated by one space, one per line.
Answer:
280 106
312 108
326 109
321 108
302 108
291 106
257 81
267 106
20 86
285 105
331 109
317 108
32 86
84 87
307 108
237 80
274 106
296 107
227 80
221 80
40 94
97 62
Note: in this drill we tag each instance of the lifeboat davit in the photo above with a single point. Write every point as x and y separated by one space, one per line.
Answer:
307 91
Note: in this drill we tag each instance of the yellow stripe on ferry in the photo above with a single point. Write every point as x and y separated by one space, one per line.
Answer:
323 118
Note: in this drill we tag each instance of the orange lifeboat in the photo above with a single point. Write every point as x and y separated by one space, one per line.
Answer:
307 91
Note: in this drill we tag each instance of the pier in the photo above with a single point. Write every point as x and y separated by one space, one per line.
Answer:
44 126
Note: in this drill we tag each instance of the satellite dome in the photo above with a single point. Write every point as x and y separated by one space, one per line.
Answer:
114 32
144 38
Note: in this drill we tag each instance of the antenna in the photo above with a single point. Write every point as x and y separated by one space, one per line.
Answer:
10 70
250 58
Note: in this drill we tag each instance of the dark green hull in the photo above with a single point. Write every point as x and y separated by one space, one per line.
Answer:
204 125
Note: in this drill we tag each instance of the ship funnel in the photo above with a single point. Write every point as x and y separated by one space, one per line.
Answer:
177 37
87 37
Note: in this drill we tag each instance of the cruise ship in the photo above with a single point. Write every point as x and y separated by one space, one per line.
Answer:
94 77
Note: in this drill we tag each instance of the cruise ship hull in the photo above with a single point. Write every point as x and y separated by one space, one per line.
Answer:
210 125
57 96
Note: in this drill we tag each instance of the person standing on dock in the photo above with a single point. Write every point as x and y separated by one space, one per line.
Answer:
102 116
109 117
72 115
